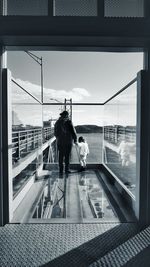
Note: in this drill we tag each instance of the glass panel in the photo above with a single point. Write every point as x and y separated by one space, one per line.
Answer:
26 142
121 8
88 123
52 201
27 7
77 197
50 115
82 76
75 7
35 155
120 136
26 72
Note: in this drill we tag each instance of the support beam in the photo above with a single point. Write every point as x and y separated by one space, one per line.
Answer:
1 169
74 32
100 8
143 151
146 8
50 8
7 147
3 56
147 68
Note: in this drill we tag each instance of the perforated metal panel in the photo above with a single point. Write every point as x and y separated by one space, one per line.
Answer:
124 8
75 7
27 7
32 245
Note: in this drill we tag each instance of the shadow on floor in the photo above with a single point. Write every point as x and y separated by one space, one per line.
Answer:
96 248
142 259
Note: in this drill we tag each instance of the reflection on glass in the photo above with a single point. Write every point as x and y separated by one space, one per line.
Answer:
76 197
120 136
23 177
51 203
27 137
94 202
50 115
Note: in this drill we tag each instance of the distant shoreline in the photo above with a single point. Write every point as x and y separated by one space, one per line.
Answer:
88 128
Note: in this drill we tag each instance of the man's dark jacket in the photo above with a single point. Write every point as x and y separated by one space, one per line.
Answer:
64 132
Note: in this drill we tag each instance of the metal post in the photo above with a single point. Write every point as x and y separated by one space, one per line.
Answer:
18 149
142 206
71 109
50 8
33 139
146 8
27 141
7 147
65 107
147 117
64 199
38 60
100 8
1 133
42 86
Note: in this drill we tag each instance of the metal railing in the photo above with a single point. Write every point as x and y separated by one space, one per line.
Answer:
24 141
115 133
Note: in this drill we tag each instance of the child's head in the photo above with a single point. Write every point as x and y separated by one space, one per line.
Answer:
81 139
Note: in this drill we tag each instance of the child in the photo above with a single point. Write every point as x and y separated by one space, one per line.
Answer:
124 151
83 152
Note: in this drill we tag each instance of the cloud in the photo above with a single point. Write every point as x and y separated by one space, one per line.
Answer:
77 94
78 110
81 91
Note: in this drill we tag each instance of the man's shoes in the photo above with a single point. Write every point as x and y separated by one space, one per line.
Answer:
81 169
60 172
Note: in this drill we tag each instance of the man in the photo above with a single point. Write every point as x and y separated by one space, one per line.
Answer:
65 134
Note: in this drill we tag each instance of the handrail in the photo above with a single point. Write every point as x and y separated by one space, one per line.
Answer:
73 103
25 141
26 92
28 130
120 91
94 104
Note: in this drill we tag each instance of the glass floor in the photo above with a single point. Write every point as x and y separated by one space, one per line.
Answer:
78 197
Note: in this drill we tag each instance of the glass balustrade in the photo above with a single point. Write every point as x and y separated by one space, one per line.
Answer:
119 147
109 128
27 137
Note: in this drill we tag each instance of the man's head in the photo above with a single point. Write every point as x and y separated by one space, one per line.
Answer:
64 114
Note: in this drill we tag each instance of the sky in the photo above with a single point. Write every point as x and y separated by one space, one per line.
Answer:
82 76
